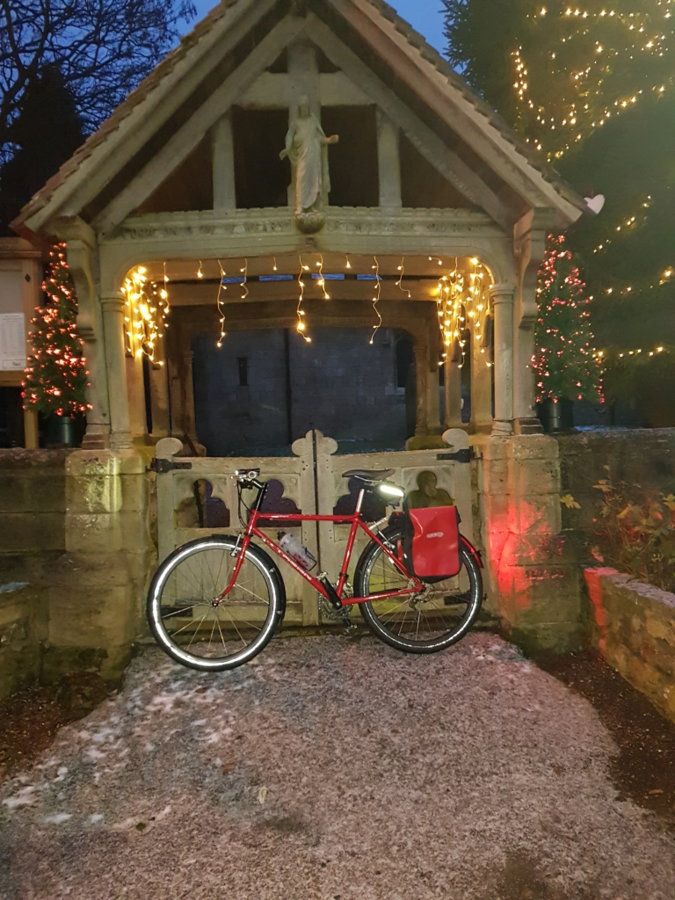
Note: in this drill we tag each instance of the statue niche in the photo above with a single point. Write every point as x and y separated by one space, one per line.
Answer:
307 149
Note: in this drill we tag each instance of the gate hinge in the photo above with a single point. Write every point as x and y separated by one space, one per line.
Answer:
461 456
163 466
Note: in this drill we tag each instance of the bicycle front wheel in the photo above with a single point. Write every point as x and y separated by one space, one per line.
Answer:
426 622
195 628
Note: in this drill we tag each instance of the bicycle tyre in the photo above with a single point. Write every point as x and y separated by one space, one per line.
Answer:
383 624
272 605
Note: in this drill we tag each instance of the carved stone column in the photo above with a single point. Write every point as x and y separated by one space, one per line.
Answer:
502 300
389 162
530 245
421 386
453 393
82 253
159 398
481 387
188 420
115 354
224 192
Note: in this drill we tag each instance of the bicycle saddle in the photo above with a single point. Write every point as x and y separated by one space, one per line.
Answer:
369 476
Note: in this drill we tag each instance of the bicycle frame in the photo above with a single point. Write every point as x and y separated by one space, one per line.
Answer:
356 523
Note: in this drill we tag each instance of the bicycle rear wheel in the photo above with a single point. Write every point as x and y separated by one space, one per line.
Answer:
197 630
424 623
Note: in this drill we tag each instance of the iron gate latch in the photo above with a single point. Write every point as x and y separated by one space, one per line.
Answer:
461 456
164 466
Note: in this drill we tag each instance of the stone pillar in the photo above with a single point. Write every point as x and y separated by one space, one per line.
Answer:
421 386
389 162
115 355
187 420
534 581
526 421
138 420
82 251
159 398
529 246
481 387
453 393
97 588
502 300
224 190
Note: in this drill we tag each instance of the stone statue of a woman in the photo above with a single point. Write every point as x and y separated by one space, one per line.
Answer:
307 149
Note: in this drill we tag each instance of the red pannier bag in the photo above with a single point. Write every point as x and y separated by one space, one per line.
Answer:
434 548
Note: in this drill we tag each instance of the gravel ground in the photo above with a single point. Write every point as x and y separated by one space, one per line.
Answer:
333 768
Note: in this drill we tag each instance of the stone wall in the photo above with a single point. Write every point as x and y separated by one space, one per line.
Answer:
32 540
633 627
76 552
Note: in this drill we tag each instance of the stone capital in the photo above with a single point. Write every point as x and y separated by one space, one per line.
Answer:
112 303
502 293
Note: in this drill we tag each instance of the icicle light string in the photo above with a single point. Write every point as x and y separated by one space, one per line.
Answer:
301 323
321 281
146 309
376 300
244 283
222 287
399 283
463 304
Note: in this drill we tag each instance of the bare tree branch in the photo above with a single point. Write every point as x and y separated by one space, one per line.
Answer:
102 47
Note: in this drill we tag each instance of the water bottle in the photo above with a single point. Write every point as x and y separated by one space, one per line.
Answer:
296 551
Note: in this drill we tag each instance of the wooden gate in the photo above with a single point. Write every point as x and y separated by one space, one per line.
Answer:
198 496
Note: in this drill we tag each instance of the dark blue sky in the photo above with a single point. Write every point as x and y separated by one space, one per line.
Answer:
424 15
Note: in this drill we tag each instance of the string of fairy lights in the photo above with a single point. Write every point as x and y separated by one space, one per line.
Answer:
627 225
462 296
635 37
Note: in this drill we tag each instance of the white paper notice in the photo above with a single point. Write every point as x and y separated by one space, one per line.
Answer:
12 342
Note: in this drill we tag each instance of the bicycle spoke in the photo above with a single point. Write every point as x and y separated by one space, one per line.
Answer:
441 611
179 612
196 630
207 631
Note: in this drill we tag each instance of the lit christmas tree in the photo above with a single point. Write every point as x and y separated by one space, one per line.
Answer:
56 375
565 363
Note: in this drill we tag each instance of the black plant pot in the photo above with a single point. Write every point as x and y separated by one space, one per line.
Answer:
556 416
61 431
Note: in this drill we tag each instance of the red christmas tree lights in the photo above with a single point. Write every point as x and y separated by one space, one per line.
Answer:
56 375
565 361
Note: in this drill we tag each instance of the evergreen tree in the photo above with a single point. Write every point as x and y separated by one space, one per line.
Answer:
564 363
591 86
46 133
56 374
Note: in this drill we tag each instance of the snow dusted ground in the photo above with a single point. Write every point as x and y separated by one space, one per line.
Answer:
333 768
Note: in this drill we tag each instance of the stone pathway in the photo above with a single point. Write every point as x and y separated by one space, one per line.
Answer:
333 768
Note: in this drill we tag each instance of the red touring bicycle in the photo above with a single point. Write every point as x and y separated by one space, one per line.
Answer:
217 601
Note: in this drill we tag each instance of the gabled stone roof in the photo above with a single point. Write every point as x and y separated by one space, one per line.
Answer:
428 56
